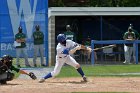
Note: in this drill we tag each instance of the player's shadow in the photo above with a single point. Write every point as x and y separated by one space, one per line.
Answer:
73 82
10 84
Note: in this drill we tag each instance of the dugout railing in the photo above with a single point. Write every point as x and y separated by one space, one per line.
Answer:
103 42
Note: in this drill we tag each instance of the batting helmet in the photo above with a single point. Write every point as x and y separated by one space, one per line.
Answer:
7 57
61 38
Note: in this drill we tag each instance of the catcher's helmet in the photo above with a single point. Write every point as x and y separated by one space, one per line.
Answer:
7 57
61 38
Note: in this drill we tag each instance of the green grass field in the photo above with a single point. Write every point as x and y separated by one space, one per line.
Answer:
100 92
103 71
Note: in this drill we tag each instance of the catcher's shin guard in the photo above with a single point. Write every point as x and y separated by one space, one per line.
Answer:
10 76
2 82
3 76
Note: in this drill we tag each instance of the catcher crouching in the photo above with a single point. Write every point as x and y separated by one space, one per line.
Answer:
6 68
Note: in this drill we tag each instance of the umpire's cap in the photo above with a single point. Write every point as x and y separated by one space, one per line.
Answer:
61 38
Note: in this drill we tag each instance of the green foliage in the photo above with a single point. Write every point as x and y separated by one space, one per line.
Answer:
95 3
102 70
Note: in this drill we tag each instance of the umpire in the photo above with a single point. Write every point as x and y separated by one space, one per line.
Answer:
6 68
38 37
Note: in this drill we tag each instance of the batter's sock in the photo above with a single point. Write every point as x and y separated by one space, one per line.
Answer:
48 76
80 71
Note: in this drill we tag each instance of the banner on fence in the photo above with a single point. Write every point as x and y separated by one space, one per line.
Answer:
25 13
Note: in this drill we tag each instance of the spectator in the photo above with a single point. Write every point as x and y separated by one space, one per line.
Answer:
38 37
135 31
128 48
21 47
87 43
69 34
136 34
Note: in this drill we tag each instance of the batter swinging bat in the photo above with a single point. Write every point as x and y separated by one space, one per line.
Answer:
109 46
89 49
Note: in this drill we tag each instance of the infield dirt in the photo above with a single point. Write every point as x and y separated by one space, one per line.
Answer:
55 85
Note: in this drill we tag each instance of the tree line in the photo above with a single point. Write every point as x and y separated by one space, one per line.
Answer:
94 3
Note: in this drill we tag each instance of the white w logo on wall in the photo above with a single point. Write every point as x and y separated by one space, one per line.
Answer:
24 12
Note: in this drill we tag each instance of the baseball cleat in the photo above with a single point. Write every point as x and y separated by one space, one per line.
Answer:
84 78
41 80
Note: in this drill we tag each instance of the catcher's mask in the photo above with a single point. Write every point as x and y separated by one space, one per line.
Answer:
7 58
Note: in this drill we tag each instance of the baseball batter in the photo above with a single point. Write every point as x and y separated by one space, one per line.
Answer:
64 49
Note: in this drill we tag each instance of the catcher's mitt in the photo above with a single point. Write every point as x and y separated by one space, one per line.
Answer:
32 75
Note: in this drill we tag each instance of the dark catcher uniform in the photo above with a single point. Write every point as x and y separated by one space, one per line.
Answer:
6 69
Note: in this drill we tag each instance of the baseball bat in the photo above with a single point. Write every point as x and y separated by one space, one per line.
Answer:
104 47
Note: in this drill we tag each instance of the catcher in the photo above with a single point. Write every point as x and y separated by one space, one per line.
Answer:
6 68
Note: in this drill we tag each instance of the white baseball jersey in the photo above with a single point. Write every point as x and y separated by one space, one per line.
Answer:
64 58
60 48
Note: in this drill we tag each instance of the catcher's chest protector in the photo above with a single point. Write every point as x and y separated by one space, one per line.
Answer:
4 67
